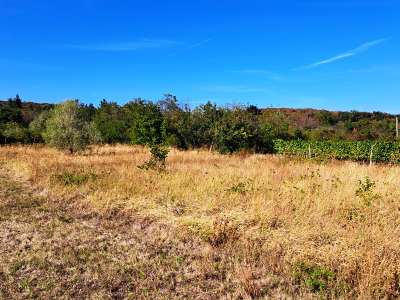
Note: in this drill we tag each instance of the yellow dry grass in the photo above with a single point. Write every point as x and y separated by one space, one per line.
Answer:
297 213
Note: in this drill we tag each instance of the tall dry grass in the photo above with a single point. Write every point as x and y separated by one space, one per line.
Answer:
299 219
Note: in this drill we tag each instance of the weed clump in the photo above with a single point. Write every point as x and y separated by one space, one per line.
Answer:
241 187
224 230
157 160
69 178
365 191
315 277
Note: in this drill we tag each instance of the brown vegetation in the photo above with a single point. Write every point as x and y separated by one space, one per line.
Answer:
209 226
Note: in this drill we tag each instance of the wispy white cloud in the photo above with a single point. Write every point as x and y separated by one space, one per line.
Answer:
260 72
126 46
360 49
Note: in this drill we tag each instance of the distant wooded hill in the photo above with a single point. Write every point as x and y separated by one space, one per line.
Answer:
243 127
29 110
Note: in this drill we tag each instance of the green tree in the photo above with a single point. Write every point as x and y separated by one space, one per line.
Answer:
110 120
145 122
274 124
14 132
18 101
67 128
177 122
38 126
235 131
204 119
10 113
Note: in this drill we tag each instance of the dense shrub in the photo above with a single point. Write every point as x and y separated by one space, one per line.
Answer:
158 158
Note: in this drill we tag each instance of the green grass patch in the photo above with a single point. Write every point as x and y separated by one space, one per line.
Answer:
316 278
69 178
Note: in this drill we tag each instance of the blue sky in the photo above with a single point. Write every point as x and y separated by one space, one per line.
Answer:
332 54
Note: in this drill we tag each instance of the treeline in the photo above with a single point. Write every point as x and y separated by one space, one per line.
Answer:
225 129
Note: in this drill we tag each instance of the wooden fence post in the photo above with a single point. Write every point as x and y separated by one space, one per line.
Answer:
370 155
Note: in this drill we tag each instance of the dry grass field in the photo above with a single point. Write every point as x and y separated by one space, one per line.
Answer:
95 226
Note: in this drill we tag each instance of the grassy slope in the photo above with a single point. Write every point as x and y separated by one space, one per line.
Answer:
51 249
210 226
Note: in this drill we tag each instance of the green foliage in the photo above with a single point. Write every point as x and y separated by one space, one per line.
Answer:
365 191
204 120
314 277
38 126
330 135
326 118
14 133
10 113
177 122
145 122
110 120
382 151
274 124
69 178
236 130
67 128
158 158
240 188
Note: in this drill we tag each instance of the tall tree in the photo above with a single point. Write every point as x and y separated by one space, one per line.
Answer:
67 128
18 101
145 122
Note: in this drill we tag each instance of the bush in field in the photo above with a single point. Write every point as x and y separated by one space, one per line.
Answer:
67 128
365 191
158 158
315 277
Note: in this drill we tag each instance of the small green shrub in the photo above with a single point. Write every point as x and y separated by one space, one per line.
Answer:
240 188
157 160
68 178
365 191
315 277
